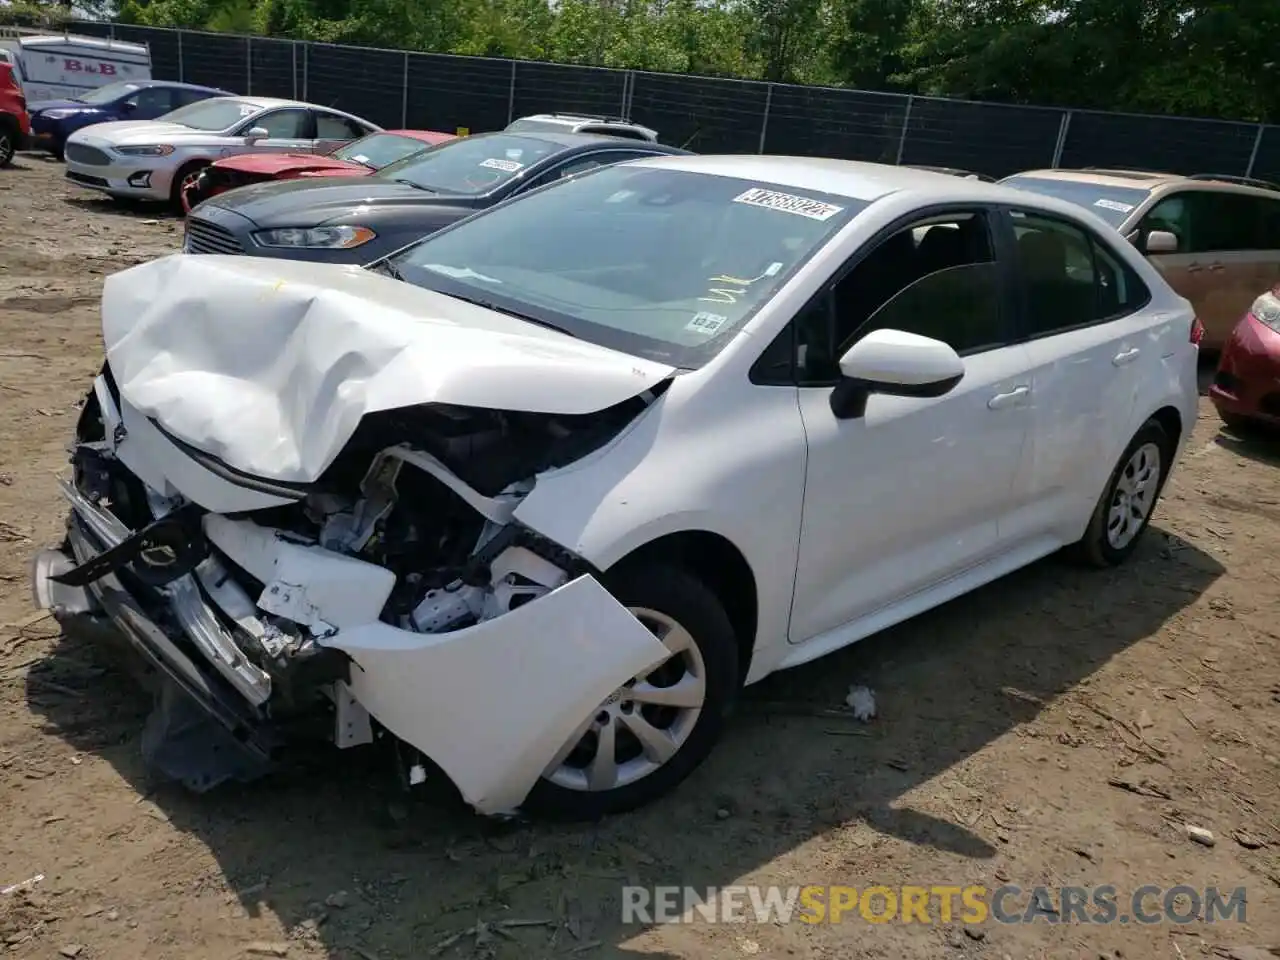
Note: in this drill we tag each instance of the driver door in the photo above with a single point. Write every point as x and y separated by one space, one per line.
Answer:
290 130
911 493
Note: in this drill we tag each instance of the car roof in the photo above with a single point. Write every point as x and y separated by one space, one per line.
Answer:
178 85
569 140
1150 179
853 179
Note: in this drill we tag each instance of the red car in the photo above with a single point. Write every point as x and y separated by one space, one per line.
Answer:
359 158
15 125
1246 387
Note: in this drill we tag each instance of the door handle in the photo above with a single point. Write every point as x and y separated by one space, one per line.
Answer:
1002 400
1217 267
1194 268
1128 356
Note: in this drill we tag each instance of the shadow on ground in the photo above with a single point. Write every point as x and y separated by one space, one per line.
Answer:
418 870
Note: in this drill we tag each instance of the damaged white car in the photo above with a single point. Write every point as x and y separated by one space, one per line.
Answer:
535 497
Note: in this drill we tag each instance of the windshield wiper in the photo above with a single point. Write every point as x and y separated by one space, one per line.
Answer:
416 186
490 305
388 268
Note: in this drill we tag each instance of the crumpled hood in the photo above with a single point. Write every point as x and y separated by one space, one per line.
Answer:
269 365
274 164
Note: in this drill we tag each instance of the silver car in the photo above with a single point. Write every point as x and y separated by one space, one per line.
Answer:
150 159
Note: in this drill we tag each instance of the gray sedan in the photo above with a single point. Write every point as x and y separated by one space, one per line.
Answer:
149 159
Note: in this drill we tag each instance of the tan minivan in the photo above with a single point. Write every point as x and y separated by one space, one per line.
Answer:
1215 239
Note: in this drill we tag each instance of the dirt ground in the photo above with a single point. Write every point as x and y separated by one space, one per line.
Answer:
1010 723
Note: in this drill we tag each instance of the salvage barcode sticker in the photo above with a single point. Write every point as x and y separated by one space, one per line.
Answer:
1115 205
788 203
509 166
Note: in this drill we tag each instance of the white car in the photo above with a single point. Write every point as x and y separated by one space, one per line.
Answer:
150 159
538 494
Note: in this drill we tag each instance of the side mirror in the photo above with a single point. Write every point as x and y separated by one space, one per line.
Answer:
896 363
257 133
1161 241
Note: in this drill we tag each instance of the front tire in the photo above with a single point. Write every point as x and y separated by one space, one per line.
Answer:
652 732
185 178
1124 510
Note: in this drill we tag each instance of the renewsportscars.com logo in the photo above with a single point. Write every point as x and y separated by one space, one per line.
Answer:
1008 904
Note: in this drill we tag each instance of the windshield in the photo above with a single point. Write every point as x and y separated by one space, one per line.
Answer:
379 149
217 113
663 264
1112 204
471 165
112 91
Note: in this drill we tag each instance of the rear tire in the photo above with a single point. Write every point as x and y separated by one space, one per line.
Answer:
1129 499
658 594
8 141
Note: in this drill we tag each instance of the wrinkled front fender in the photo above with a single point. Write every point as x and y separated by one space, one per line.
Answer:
493 704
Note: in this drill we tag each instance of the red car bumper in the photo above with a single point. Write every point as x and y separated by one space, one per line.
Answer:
1247 383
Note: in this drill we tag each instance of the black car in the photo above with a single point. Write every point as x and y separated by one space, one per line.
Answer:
357 220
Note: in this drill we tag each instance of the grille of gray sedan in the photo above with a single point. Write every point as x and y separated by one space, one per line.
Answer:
91 156
205 237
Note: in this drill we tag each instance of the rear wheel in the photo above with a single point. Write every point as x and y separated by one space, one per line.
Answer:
8 141
654 730
1124 510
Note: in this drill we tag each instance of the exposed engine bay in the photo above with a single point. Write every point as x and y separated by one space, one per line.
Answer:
410 528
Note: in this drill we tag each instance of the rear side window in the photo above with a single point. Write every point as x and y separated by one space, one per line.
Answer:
1069 278
330 126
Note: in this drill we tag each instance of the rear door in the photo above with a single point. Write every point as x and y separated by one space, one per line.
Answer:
1090 347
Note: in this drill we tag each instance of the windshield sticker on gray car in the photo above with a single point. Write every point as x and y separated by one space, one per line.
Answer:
247 109
788 203
706 323
1115 205
506 166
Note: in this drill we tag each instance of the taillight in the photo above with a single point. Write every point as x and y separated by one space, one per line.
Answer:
1197 331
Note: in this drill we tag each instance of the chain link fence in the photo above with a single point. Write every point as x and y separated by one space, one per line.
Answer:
396 88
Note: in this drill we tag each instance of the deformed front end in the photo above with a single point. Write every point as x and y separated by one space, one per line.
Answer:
397 592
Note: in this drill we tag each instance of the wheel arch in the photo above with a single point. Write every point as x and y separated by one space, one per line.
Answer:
1170 421
718 563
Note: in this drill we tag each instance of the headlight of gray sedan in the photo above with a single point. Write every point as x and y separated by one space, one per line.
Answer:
315 238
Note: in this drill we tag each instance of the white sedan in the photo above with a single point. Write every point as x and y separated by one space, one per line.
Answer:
537 495
150 159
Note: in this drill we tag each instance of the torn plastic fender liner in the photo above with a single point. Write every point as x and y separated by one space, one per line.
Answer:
493 704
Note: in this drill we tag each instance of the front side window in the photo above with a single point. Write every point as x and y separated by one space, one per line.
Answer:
284 124
471 166
152 100
1207 221
214 114
661 263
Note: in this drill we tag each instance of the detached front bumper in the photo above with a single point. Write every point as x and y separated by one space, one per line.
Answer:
105 611
491 704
